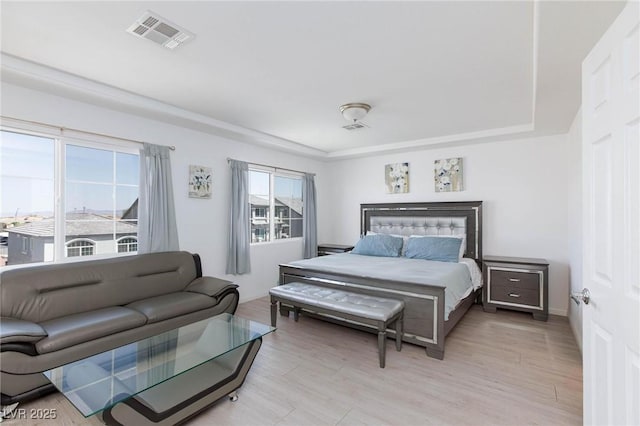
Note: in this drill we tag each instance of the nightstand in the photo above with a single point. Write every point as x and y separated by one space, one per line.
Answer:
516 283
325 249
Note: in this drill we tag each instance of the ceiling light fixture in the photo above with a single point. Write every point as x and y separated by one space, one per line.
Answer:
355 111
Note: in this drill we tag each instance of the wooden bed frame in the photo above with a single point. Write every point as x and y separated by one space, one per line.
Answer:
424 322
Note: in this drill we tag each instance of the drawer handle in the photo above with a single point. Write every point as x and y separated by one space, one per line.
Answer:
514 295
514 280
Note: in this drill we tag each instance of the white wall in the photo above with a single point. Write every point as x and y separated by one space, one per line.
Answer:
522 183
202 224
574 211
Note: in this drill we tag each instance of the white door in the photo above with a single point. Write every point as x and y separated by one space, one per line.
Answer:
611 162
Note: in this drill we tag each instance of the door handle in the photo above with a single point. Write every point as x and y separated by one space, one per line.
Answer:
584 296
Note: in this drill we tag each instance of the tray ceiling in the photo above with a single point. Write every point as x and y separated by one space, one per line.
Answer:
433 72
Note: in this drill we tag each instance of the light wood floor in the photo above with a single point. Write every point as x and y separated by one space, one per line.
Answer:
502 368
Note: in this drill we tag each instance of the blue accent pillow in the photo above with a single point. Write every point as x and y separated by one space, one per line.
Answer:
379 245
442 249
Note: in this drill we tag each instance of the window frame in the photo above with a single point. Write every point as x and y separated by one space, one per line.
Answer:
91 243
128 244
273 172
61 138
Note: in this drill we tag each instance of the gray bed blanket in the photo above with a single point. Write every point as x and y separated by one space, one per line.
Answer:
455 277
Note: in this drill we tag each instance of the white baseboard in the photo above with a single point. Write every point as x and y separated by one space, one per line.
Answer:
561 312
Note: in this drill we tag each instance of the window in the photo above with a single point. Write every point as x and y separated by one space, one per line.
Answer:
127 244
288 207
276 205
259 235
80 248
101 188
96 183
260 213
26 192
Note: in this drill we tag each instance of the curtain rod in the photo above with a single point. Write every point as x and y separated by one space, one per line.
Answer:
62 129
273 167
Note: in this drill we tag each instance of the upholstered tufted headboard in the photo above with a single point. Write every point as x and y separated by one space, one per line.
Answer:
448 218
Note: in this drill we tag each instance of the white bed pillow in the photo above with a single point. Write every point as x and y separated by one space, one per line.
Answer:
463 244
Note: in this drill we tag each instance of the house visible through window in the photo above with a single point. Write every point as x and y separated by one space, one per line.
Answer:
97 184
276 205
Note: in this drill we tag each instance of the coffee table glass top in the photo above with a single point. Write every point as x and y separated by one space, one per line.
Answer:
96 383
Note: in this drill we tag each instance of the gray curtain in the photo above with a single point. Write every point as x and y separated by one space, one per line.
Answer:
238 254
157 229
309 222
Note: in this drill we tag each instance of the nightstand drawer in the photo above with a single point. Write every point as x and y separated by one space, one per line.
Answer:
516 283
520 280
513 294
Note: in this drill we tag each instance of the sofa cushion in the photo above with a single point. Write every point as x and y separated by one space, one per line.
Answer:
78 328
16 330
172 305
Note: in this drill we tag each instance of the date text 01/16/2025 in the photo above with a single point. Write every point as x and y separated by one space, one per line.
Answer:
30 414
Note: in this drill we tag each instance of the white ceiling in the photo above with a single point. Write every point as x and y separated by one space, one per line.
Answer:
434 72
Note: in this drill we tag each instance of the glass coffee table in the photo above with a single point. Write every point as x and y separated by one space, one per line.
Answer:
164 379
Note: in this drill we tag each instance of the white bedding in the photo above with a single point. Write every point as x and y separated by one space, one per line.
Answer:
476 276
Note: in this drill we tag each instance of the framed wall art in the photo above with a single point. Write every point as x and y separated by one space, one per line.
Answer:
396 178
200 182
448 175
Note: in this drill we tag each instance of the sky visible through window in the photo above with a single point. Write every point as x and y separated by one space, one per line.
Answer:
27 172
27 177
283 187
259 183
91 174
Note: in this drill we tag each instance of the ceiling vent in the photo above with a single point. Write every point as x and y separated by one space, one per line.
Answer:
355 126
159 30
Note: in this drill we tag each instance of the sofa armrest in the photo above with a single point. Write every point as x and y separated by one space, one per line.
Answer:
213 287
13 330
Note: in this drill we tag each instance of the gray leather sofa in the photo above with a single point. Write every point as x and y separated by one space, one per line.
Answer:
58 313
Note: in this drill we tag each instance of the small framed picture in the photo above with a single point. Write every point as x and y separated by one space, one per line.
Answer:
448 175
200 182
396 178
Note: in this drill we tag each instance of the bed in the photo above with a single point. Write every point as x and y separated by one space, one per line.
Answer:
433 306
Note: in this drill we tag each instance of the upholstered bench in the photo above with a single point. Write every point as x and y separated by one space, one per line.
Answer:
374 311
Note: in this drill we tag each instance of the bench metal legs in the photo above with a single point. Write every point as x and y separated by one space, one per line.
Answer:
381 326
399 333
274 309
382 346
274 312
382 339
